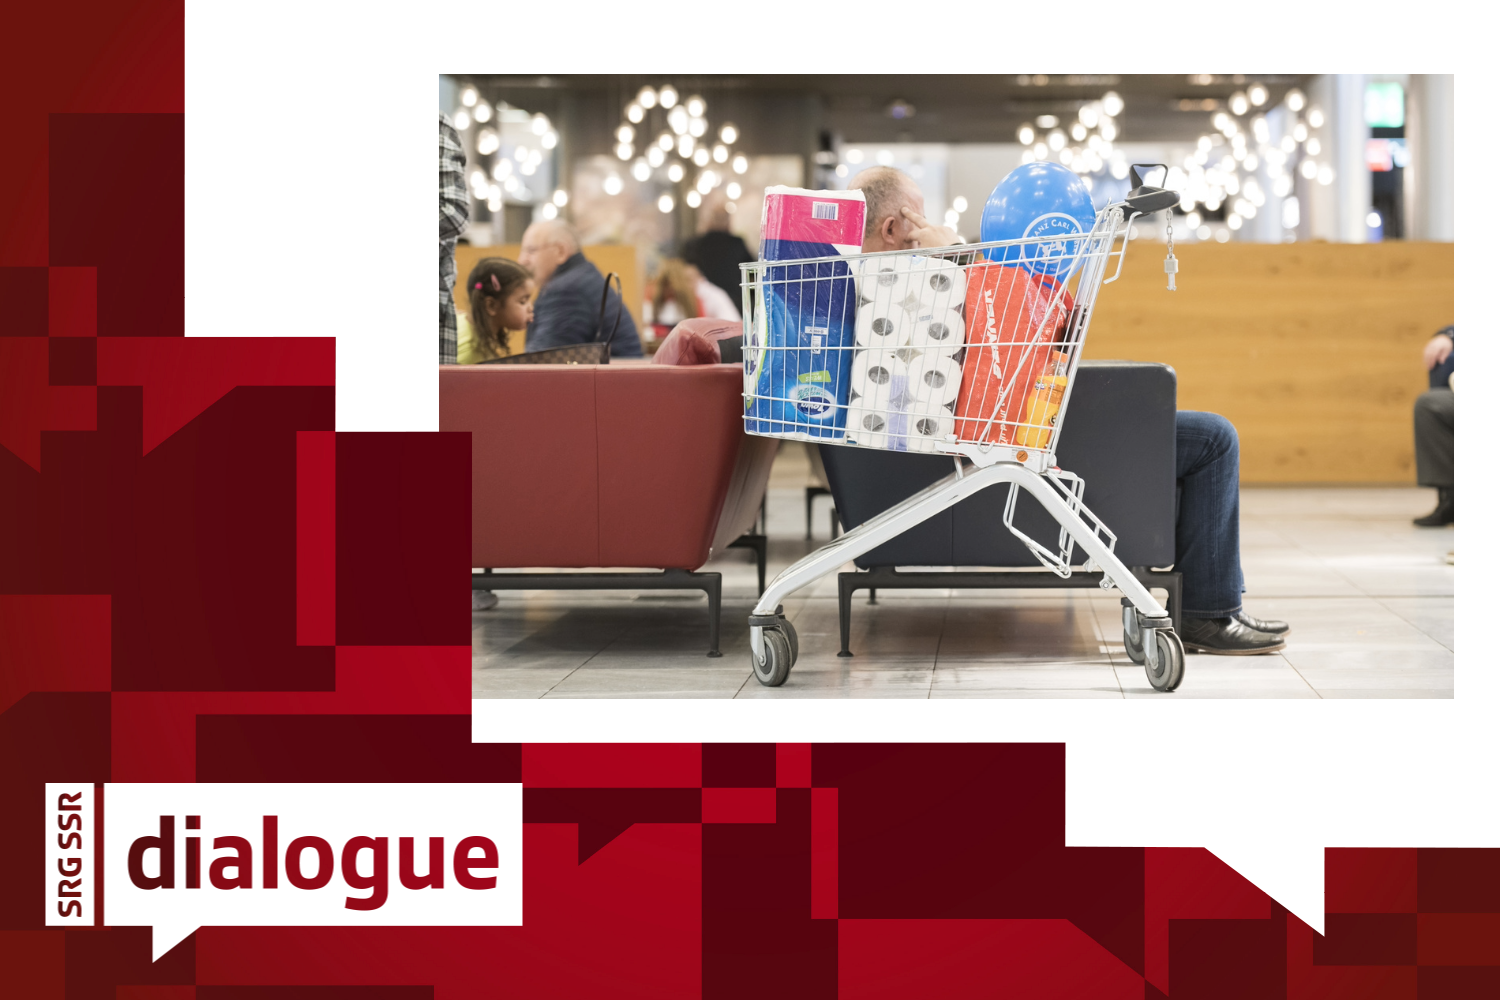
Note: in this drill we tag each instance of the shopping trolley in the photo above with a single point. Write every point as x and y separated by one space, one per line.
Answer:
968 351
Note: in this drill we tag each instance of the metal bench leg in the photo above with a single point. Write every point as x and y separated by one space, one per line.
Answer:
711 587
848 584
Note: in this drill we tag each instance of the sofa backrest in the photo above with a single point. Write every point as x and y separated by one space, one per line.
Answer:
1119 435
595 465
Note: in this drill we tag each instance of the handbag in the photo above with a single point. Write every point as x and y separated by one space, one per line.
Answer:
595 352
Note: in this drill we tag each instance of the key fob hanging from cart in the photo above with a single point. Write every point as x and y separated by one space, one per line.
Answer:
1144 199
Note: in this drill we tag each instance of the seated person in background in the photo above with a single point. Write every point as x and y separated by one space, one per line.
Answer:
570 288
1212 618
715 251
1433 419
673 296
681 292
712 302
500 294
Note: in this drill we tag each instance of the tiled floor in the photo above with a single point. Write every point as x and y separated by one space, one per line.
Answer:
1370 600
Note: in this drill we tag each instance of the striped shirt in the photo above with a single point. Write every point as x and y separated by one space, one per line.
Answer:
453 215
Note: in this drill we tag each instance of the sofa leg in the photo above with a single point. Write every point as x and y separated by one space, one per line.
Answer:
711 583
848 584
758 543
811 494
872 597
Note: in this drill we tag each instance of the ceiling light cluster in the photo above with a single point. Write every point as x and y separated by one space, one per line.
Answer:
1086 145
660 126
506 179
1233 165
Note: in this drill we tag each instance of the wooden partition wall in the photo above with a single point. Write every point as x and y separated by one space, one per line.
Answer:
1313 350
623 260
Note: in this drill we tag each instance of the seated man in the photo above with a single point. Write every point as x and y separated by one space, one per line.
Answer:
570 290
1212 619
1433 417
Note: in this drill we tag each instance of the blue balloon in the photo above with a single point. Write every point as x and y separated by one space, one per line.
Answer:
1039 199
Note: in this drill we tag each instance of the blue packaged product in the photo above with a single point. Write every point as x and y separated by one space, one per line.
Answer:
798 351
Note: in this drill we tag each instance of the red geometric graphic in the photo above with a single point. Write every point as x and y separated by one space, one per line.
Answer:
200 580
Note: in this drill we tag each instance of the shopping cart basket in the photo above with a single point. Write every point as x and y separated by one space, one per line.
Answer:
968 351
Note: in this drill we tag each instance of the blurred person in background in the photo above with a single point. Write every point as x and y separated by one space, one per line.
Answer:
453 215
674 296
716 252
569 291
1212 618
680 292
500 296
1432 417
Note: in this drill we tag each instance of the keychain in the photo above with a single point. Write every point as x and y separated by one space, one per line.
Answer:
1171 262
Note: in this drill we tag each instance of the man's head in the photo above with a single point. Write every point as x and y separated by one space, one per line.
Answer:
544 246
714 215
887 191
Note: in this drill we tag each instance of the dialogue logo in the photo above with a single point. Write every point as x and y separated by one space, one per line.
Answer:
178 856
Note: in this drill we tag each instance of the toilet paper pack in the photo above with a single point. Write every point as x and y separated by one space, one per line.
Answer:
798 353
903 399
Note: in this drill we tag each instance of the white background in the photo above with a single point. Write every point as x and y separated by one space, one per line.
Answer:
335 812
310 192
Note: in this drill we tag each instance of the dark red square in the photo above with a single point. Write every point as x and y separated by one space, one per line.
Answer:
72 361
1458 880
1367 939
1457 982
23 302
402 539
1228 959
739 765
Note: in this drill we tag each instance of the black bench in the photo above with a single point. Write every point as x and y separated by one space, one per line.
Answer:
1119 435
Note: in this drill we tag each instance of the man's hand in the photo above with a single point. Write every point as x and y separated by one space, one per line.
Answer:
1437 351
925 234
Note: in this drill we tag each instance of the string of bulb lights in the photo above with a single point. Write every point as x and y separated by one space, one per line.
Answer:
509 177
681 136
1224 170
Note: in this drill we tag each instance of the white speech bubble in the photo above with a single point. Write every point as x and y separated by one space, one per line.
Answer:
335 832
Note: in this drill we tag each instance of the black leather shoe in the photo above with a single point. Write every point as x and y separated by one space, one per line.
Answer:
1226 637
1442 515
1270 626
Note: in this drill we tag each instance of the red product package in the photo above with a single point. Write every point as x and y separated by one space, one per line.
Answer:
1011 321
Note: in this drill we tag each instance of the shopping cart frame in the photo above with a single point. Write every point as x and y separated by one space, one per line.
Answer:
1148 632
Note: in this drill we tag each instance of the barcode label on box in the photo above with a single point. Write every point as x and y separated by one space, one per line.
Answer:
825 210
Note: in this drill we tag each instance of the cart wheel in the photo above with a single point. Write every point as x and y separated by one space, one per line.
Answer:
1170 661
1133 645
791 638
771 669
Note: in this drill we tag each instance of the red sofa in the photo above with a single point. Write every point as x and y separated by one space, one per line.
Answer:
622 466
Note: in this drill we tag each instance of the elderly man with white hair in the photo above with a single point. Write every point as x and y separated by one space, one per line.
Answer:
893 213
571 288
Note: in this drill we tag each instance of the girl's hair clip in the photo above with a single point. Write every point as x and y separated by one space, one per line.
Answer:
478 286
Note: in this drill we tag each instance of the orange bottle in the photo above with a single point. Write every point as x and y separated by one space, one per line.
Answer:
1043 402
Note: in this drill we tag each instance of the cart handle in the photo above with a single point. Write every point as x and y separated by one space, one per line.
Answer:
1143 199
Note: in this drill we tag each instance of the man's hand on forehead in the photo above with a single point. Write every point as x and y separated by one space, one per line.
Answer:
925 234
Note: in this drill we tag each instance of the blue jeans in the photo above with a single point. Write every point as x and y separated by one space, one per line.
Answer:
1208 515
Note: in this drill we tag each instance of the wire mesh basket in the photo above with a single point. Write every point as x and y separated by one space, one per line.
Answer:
967 350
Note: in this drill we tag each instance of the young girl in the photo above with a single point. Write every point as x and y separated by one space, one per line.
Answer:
500 294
